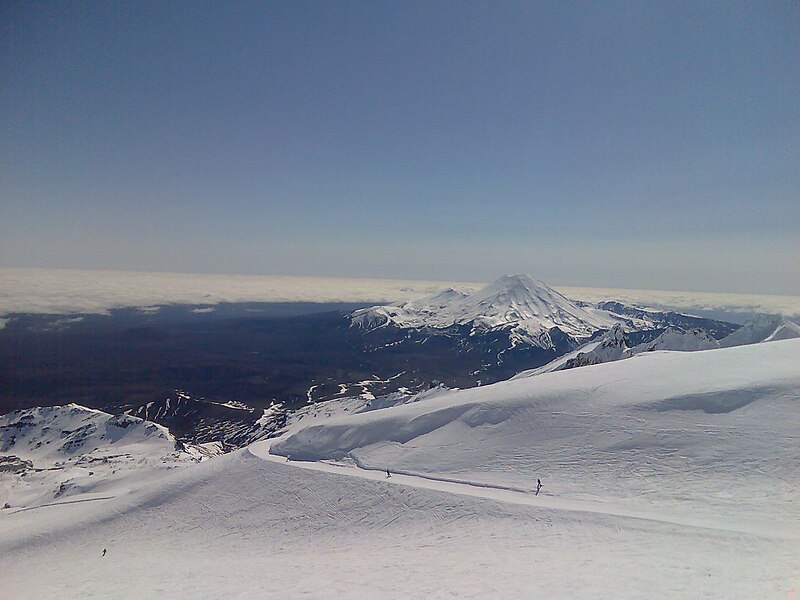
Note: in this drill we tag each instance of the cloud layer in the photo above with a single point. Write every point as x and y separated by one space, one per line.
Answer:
61 291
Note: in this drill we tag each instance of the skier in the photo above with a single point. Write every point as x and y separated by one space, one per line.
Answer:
104 551
538 486
388 474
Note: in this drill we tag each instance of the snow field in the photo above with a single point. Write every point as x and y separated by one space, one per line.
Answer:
237 526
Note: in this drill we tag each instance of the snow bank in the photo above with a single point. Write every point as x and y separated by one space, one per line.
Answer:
652 380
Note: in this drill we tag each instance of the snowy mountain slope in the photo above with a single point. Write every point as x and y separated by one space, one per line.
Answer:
73 450
640 317
529 313
52 433
787 330
615 345
761 329
197 420
678 340
719 418
612 345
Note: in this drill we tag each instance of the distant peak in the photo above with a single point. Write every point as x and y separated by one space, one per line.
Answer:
517 283
520 279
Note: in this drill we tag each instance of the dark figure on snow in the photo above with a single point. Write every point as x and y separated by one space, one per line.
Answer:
538 486
388 474
104 551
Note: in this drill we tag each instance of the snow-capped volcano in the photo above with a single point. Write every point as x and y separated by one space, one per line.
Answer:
521 303
530 303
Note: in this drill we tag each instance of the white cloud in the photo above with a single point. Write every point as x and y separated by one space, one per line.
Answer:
692 301
62 291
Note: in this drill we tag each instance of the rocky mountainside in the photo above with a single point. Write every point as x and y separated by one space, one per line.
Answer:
198 420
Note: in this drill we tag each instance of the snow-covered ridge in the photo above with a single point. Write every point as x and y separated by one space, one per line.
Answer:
615 345
765 328
715 381
678 340
59 432
612 345
67 450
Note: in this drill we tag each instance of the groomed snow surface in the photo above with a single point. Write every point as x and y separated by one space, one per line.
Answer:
666 475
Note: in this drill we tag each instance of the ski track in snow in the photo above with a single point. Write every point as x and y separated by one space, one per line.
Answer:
526 497
238 526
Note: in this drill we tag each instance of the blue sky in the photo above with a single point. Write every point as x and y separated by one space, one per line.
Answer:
635 144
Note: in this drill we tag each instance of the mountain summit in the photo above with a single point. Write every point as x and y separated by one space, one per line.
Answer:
528 307
524 300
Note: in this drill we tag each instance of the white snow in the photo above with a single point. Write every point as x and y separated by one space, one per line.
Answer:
236 405
627 429
53 433
608 347
668 475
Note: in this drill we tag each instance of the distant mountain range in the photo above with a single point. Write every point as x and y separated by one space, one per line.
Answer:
521 313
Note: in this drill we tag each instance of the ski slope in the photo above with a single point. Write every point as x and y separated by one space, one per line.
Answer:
667 475
237 526
713 430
